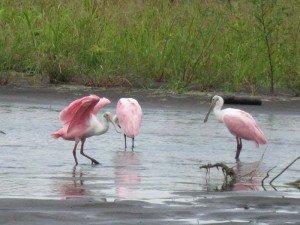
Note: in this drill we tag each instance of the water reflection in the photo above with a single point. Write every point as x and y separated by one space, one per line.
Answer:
73 187
249 176
171 155
126 170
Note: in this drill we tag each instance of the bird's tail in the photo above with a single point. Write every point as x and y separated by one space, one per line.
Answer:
260 137
56 135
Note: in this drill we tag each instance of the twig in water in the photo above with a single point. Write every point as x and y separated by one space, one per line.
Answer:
253 172
258 165
227 171
284 170
262 182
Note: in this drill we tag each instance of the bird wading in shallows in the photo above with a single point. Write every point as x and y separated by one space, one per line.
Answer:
129 118
80 122
240 123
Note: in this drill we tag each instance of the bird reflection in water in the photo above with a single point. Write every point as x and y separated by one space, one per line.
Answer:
249 177
73 188
127 177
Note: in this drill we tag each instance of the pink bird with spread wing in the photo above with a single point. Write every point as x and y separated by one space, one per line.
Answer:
80 122
240 123
129 118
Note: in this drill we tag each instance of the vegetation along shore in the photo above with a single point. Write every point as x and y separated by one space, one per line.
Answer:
202 45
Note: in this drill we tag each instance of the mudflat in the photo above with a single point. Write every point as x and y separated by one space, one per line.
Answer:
209 208
149 98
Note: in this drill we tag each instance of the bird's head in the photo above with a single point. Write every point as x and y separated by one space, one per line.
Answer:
109 117
216 100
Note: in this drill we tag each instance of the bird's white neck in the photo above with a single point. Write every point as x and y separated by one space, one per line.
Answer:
115 119
218 109
102 127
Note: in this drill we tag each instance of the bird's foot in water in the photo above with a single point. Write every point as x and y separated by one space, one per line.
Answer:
95 162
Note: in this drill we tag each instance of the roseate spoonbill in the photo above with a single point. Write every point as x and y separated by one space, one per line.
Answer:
80 122
240 123
129 118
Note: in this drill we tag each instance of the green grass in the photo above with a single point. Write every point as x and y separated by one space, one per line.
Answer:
199 44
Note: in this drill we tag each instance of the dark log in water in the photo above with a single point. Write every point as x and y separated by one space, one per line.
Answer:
242 100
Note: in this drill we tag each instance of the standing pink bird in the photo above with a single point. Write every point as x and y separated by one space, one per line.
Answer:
129 118
80 122
240 124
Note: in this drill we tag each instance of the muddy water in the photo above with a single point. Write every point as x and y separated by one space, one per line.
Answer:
172 145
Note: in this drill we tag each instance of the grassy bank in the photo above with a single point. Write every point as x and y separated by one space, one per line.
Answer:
227 45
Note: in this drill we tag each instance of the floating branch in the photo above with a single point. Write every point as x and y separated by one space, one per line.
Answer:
253 172
227 171
267 175
284 170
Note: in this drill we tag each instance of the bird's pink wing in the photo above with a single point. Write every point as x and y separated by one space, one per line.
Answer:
129 114
101 104
246 115
243 126
259 135
79 120
68 113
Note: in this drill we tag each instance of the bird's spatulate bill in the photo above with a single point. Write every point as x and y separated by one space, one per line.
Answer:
212 105
115 126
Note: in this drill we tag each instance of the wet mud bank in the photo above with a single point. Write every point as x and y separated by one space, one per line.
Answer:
149 97
220 208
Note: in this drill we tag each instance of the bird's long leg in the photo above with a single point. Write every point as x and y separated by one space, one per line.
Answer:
238 148
125 142
74 152
132 146
82 153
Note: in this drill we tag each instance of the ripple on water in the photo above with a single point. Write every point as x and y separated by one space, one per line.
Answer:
166 162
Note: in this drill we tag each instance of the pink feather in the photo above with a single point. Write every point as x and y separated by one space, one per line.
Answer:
241 124
129 114
102 103
77 115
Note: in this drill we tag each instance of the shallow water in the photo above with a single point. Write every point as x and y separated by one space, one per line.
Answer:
172 145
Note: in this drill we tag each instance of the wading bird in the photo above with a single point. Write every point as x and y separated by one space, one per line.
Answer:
80 122
240 124
129 118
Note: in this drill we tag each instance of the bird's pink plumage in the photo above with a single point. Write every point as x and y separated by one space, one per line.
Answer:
102 103
77 115
129 115
68 113
80 120
242 125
